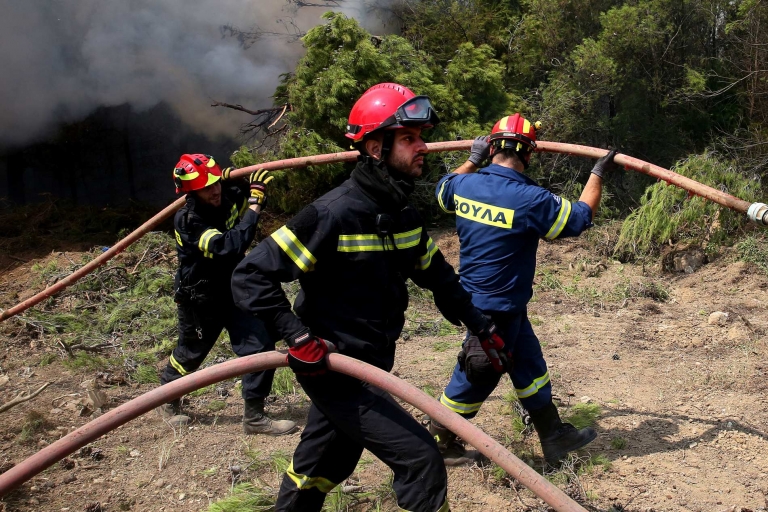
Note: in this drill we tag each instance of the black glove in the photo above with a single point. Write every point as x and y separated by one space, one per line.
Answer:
226 173
258 187
474 362
605 164
306 353
481 148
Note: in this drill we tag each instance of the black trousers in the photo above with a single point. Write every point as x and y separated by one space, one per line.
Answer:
200 327
345 417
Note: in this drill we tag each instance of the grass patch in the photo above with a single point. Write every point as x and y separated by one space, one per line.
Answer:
47 359
618 443
146 374
202 391
583 415
284 382
754 250
216 405
85 361
34 423
442 346
596 463
279 461
245 497
430 390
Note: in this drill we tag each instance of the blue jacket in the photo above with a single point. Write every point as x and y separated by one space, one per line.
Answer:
500 216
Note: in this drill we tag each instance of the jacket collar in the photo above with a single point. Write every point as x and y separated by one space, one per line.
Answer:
375 181
508 172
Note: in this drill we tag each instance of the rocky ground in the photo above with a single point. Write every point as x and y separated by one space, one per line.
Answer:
669 366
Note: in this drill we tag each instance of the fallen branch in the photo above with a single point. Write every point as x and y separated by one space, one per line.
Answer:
23 397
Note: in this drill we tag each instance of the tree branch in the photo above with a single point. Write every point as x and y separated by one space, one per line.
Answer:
23 397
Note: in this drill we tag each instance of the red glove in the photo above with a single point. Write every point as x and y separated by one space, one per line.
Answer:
306 353
493 346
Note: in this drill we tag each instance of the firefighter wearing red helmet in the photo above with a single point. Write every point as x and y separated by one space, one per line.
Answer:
500 216
352 251
213 230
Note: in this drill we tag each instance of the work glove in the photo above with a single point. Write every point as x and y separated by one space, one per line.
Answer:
493 346
605 164
480 150
227 173
306 353
258 181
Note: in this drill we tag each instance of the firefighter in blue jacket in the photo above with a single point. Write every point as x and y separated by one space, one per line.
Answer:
213 230
352 251
500 216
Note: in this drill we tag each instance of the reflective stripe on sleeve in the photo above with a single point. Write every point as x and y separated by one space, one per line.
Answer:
426 259
234 213
307 482
295 250
178 238
562 220
373 242
459 407
533 388
440 198
177 366
205 240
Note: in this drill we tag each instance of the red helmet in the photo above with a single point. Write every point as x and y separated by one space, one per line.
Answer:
387 107
194 172
518 129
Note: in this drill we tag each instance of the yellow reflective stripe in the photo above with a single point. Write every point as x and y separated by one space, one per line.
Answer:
526 126
244 207
212 178
188 176
205 239
306 482
533 388
443 508
440 198
234 213
503 123
295 250
177 366
458 406
210 163
178 238
371 242
562 220
426 260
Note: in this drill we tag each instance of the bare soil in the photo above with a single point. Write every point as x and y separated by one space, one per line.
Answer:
683 404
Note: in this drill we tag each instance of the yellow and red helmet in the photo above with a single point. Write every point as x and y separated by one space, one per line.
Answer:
195 172
516 133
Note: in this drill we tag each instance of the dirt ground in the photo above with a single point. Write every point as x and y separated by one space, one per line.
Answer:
681 403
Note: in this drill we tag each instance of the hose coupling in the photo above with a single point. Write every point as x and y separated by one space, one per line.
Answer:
758 213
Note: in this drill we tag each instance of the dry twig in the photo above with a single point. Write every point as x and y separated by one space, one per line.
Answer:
23 397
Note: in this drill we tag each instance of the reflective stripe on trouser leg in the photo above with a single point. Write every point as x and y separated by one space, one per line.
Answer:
529 369
463 397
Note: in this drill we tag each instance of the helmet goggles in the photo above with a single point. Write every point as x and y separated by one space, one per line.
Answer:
414 112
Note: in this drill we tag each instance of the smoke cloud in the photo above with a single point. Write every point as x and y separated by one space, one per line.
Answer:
62 59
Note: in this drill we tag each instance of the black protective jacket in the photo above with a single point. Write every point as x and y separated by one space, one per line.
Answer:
211 241
352 269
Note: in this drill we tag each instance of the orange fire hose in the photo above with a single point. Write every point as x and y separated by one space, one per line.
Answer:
91 431
756 212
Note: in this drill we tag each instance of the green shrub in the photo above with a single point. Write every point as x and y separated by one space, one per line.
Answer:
667 214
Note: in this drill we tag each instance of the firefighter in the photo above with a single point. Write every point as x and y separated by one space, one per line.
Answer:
500 216
352 251
213 230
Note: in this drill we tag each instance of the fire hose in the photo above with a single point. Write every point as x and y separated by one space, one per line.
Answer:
109 421
756 212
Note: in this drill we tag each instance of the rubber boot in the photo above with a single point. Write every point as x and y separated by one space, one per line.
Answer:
255 420
171 413
453 452
558 438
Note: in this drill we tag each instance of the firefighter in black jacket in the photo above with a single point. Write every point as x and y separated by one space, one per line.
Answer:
213 230
352 251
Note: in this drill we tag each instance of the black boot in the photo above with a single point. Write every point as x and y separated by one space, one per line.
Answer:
171 413
256 421
453 452
558 438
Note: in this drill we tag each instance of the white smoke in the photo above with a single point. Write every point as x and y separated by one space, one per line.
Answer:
61 59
